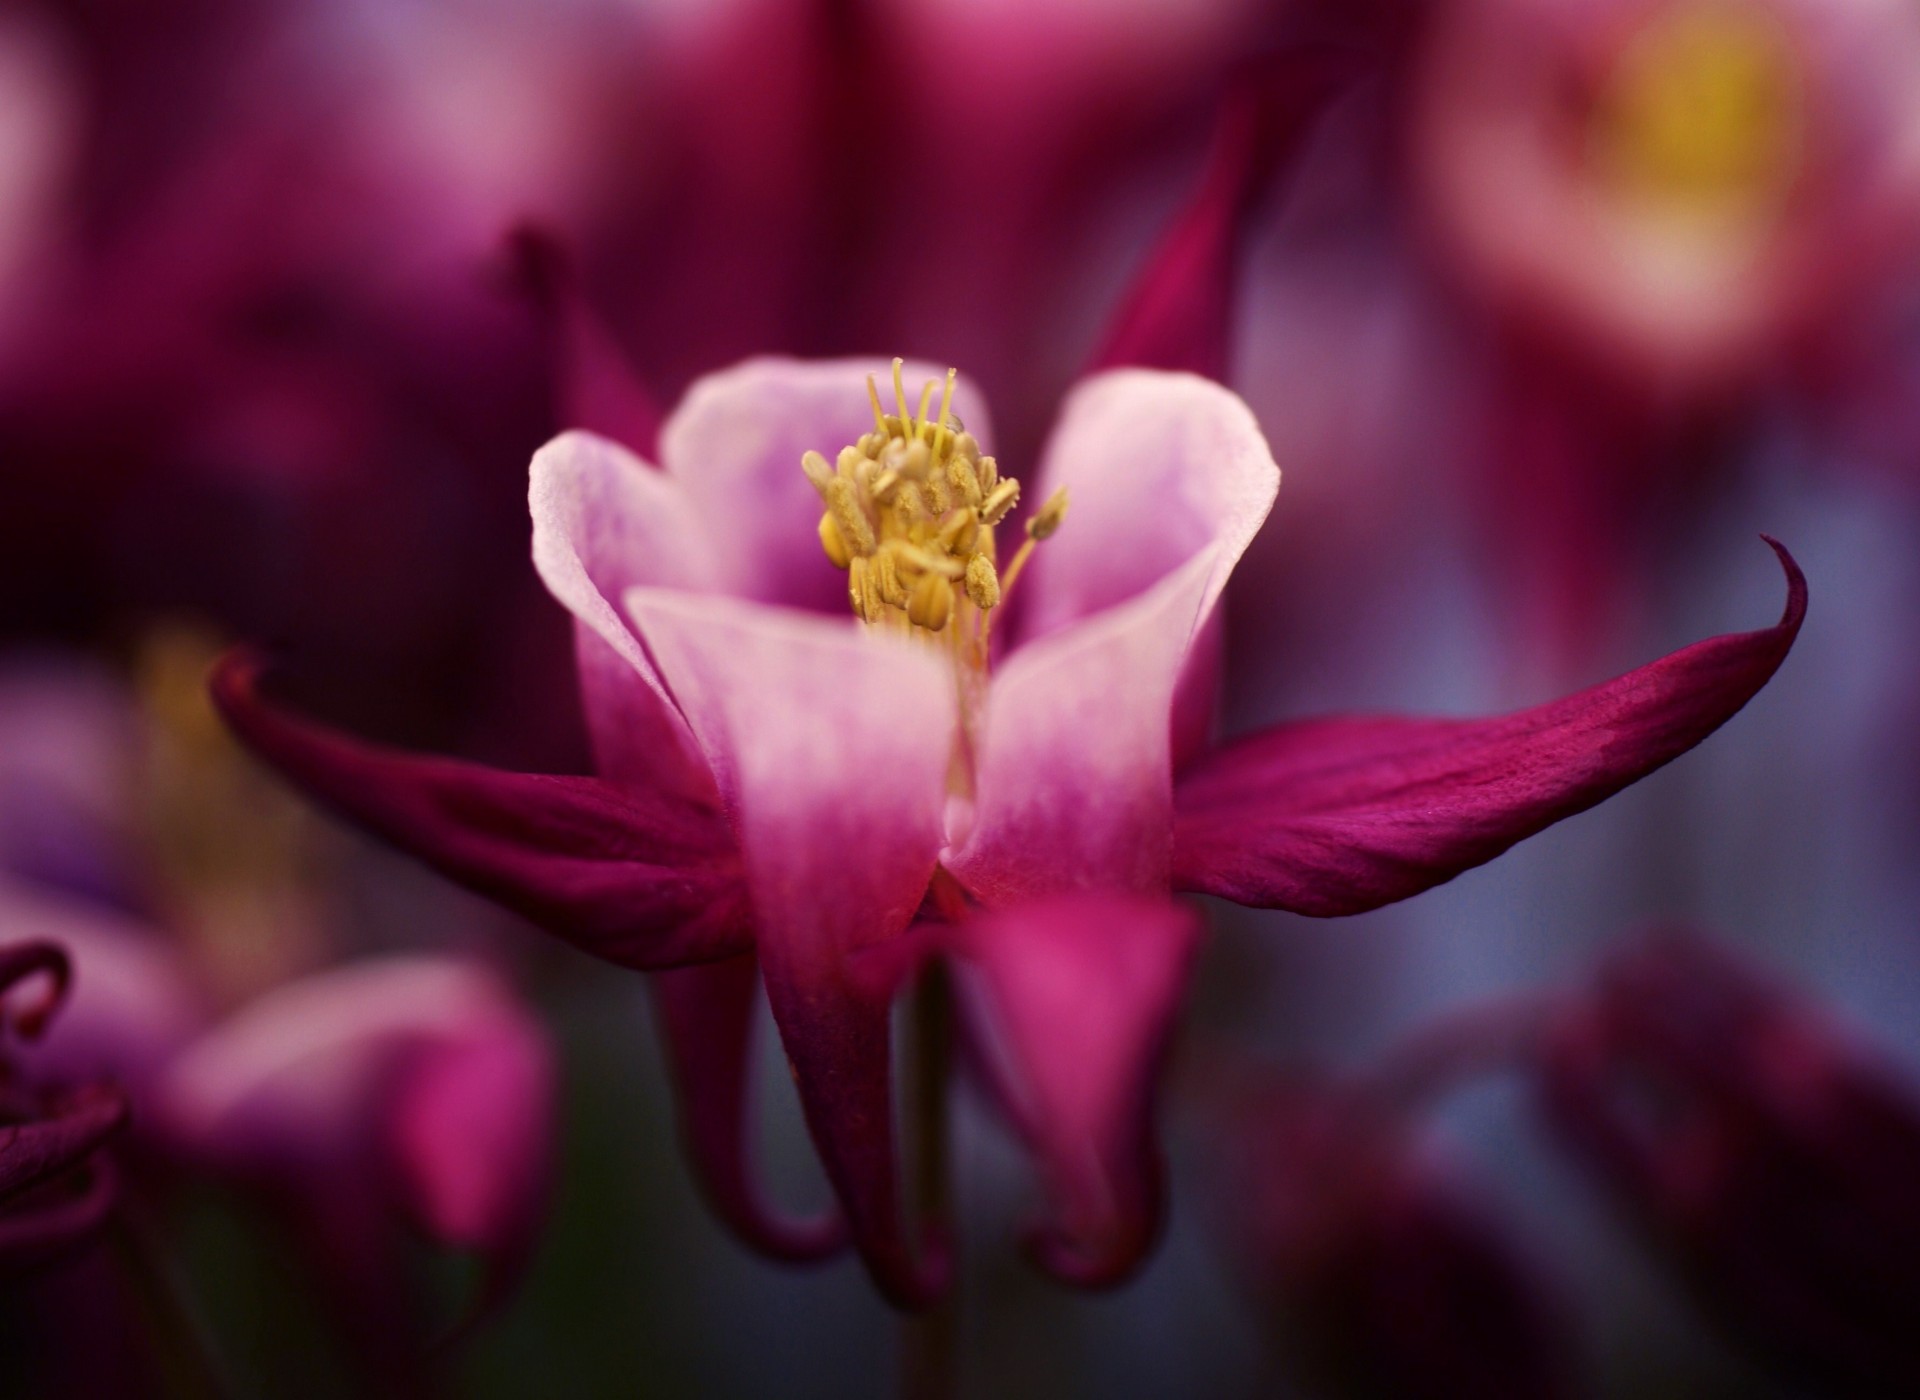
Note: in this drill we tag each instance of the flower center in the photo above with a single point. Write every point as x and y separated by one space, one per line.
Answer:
910 515
1700 118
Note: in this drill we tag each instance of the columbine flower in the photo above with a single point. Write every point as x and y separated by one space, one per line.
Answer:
1769 1154
781 780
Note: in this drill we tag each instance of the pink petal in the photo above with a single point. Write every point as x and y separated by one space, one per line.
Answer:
706 1019
1074 765
603 522
1074 1000
292 1080
1337 816
831 747
1158 467
640 878
735 443
1178 313
470 1129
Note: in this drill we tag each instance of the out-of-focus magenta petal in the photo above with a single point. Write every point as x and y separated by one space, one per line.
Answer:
1178 315
734 444
1071 1002
42 1148
594 386
831 747
411 1088
643 879
303 1074
132 1004
56 1188
22 961
706 1017
1074 764
1337 816
470 1133
1157 468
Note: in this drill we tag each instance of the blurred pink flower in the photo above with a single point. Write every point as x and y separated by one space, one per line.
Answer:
1379 1265
1767 1152
1687 193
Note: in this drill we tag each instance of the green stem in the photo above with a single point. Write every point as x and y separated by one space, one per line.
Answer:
929 1349
186 1353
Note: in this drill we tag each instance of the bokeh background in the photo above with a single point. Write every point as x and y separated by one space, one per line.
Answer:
1565 303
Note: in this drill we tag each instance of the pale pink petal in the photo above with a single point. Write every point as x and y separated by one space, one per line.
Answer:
1074 768
735 444
605 521
1157 468
831 747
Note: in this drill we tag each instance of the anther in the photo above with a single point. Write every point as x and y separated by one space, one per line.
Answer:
1000 500
931 604
989 471
830 540
860 591
856 531
817 470
1047 519
961 474
983 582
958 534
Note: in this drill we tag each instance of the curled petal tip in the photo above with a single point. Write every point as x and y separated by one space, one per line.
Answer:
1796 611
18 962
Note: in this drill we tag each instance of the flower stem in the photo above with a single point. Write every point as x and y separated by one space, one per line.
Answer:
929 1340
186 1352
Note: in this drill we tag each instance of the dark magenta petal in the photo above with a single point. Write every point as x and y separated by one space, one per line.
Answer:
1178 313
641 879
1072 1002
1338 816
706 1017
39 1149
1068 1003
594 386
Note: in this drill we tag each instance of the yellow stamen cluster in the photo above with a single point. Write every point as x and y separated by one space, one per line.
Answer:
910 515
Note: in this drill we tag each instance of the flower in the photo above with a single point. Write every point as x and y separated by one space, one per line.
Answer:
786 797
388 1094
779 780
1687 190
1770 1155
411 1091
1374 1252
56 1188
